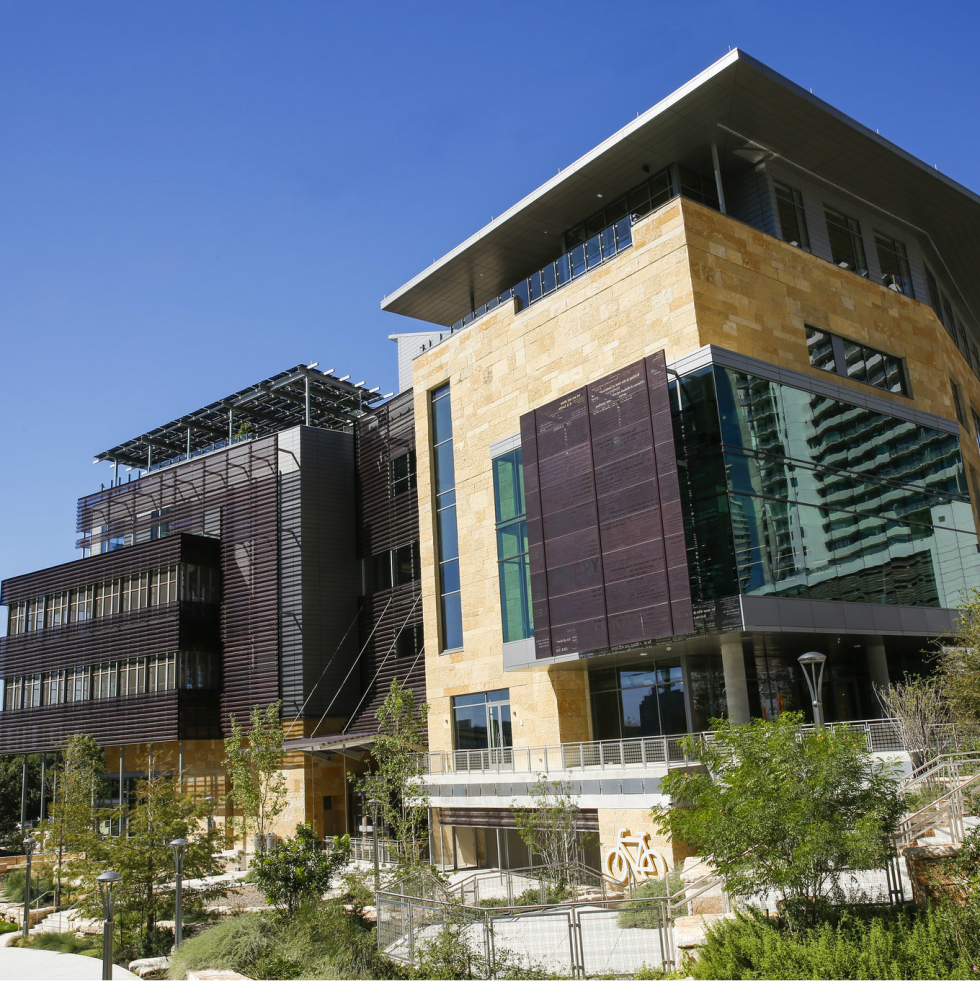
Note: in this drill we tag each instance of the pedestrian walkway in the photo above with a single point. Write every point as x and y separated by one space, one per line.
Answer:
24 964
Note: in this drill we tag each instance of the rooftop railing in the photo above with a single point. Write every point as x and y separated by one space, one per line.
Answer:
881 735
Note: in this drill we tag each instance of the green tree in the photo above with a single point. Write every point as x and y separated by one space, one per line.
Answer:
11 774
958 669
298 869
549 827
254 762
144 859
72 814
394 782
780 808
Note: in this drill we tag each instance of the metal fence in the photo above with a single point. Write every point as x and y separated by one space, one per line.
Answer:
390 852
506 919
881 735
568 939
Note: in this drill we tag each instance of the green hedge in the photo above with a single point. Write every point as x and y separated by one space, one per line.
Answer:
899 942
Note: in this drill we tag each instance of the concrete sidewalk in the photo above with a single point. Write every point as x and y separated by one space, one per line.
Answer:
24 964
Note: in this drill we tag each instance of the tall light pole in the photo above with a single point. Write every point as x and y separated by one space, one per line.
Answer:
210 802
107 882
813 665
29 845
179 845
373 804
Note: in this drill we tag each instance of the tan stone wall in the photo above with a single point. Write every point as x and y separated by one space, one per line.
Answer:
753 294
500 367
308 781
694 277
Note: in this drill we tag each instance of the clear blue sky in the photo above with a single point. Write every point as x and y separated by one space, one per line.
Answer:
195 195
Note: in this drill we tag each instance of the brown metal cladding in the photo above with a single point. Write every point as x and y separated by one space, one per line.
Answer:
386 522
234 495
159 717
122 562
605 530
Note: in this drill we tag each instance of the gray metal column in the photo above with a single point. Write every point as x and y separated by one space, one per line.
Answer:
720 189
877 662
44 777
23 793
122 750
307 398
736 684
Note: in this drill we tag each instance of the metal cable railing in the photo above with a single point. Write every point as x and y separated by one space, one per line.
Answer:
881 735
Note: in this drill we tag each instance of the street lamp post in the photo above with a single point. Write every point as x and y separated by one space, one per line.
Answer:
107 882
813 665
29 846
179 845
210 802
373 804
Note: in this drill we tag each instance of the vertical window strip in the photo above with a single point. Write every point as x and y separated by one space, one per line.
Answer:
451 614
513 568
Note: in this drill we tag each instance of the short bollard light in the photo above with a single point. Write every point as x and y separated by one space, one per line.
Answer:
29 845
179 845
107 883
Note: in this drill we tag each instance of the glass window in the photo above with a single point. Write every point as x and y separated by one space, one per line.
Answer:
858 361
35 613
935 300
409 642
403 476
821 347
16 618
894 261
846 244
58 609
447 543
824 499
792 217
382 571
405 563
13 694
645 700
482 720
514 570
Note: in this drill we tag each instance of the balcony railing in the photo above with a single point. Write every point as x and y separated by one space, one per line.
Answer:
881 735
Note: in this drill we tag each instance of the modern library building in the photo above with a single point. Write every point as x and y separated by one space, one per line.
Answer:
705 401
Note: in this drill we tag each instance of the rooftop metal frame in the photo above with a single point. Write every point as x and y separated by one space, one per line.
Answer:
299 396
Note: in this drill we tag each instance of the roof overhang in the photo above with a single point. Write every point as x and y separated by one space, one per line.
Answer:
735 101
341 744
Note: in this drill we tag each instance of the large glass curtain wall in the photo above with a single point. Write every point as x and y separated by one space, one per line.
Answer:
795 494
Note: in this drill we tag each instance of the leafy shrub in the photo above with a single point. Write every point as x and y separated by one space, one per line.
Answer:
14 882
320 940
298 869
533 896
938 942
232 944
63 943
650 915
6 927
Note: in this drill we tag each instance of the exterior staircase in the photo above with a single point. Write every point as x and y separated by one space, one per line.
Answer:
950 787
